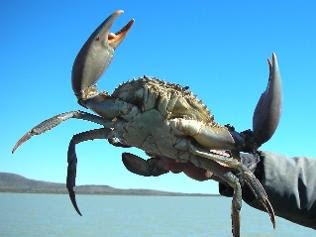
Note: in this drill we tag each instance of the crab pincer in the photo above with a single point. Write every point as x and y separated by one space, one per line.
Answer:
96 55
268 110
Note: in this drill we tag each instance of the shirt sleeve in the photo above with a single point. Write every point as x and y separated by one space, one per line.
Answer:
291 187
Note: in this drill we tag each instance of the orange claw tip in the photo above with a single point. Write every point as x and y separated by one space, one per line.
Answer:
118 12
115 39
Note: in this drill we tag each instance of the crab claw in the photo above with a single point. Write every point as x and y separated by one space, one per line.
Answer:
268 110
95 56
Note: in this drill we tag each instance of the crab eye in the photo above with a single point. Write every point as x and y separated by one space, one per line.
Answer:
97 38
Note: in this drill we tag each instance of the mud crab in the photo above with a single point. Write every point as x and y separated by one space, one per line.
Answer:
165 120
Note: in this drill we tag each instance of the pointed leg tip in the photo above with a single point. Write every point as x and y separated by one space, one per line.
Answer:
273 222
72 197
272 217
23 139
76 208
261 196
17 145
78 211
14 148
269 209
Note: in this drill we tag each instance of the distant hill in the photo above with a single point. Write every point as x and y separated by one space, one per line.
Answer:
16 183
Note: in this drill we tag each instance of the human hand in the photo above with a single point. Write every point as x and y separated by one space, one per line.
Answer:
160 165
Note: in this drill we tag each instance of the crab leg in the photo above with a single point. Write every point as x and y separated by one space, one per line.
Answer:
233 181
224 175
213 137
260 194
48 124
253 183
101 133
56 120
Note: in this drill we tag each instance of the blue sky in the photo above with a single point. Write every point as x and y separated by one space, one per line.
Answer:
218 48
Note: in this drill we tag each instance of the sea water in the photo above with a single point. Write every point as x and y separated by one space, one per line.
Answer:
46 215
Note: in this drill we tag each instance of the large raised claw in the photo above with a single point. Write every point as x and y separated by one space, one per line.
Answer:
95 56
268 110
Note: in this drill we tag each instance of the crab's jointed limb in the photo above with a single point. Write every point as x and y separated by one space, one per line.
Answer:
213 137
95 56
101 133
265 121
55 121
268 110
205 167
